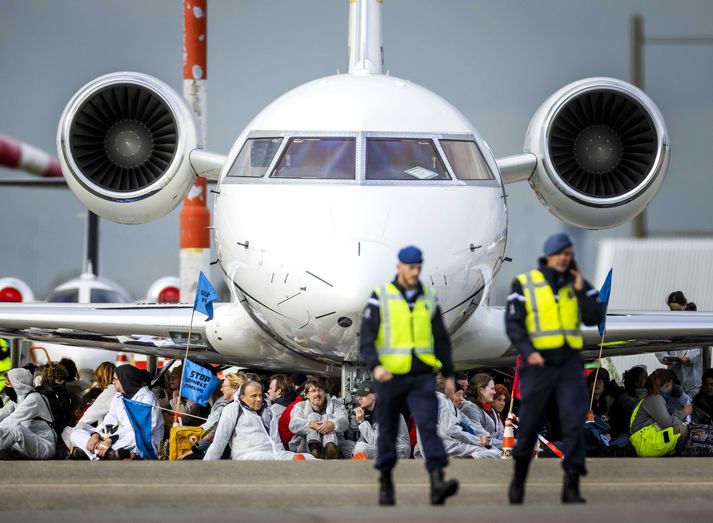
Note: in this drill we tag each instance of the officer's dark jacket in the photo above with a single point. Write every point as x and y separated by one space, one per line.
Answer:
371 319
589 307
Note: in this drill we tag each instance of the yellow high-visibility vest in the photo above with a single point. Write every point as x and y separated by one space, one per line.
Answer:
403 332
550 322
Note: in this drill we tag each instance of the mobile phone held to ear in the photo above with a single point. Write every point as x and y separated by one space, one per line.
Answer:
573 265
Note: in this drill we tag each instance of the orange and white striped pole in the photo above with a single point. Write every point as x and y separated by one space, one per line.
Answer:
195 217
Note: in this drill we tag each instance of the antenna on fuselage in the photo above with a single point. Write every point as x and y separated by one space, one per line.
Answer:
365 48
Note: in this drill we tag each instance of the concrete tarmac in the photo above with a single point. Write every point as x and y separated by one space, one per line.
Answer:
623 489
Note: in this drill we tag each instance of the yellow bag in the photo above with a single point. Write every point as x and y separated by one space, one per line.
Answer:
182 440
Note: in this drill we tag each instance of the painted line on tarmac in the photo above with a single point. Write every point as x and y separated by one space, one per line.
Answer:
260 486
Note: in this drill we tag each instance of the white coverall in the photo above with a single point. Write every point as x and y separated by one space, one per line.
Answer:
19 430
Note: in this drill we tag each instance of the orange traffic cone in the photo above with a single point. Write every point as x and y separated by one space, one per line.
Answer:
360 456
508 439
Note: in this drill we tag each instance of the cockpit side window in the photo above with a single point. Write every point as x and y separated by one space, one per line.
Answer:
64 296
409 159
255 157
318 158
105 296
466 160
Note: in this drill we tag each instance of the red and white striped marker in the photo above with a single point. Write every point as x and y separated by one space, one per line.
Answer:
23 156
195 216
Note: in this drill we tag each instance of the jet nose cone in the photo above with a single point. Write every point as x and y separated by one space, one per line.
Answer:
346 276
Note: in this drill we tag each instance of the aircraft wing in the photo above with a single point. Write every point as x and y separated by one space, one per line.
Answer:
635 332
482 341
160 330
156 330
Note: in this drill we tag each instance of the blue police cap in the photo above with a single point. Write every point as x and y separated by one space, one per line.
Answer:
556 243
410 255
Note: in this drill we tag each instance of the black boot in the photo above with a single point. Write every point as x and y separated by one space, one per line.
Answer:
570 488
440 488
386 489
516 492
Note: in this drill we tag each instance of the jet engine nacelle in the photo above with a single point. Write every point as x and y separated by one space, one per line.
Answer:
124 142
602 152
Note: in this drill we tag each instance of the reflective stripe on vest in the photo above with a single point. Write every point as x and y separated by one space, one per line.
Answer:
403 332
550 322
652 441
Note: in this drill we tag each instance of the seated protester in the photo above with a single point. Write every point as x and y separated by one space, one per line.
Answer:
365 447
228 388
281 393
655 431
99 407
25 430
501 400
483 419
318 422
623 407
74 386
462 378
245 425
169 400
703 401
298 380
458 436
53 376
114 437
603 401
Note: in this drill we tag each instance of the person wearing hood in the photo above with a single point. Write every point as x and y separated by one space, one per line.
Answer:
114 437
245 425
656 428
25 430
544 312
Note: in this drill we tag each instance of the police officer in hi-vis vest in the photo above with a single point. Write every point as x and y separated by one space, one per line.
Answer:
543 316
404 343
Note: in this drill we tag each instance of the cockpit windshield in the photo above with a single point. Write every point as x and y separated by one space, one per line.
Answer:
403 159
318 158
466 160
255 157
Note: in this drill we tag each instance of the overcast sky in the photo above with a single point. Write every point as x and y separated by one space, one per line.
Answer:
494 60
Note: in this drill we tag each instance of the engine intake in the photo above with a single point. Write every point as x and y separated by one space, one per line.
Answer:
602 151
123 143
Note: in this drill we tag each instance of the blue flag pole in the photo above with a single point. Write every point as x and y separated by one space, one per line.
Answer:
604 294
203 302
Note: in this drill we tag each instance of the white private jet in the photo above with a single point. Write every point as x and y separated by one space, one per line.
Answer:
324 186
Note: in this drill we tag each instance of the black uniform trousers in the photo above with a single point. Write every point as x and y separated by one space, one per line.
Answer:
566 382
418 392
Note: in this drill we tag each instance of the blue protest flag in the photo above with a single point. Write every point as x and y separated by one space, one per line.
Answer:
205 296
198 383
140 418
604 294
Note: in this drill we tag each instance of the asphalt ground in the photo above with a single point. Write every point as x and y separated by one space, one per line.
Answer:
621 490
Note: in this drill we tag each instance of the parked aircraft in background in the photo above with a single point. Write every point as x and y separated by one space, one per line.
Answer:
85 289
